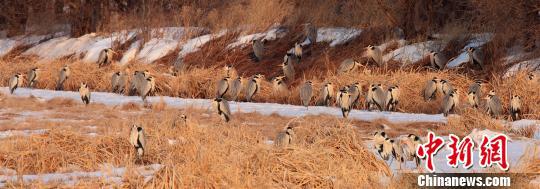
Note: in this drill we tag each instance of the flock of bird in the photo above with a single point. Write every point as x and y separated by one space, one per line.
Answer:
346 98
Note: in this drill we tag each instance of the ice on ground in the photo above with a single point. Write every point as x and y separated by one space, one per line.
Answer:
414 52
156 49
11 133
337 36
171 141
270 35
263 108
477 41
108 174
131 53
194 44
6 45
62 47
527 66
477 135
524 123
93 51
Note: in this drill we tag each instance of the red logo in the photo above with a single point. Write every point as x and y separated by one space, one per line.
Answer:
493 151
460 151
429 149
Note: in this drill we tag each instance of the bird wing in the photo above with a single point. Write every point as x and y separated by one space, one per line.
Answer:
380 97
346 65
431 88
441 60
141 139
223 86
101 57
225 107
133 136
447 103
31 76
13 82
114 81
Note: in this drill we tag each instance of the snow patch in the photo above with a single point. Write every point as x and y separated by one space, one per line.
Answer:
269 35
414 52
131 53
11 133
337 36
6 45
477 41
93 51
156 49
527 66
194 44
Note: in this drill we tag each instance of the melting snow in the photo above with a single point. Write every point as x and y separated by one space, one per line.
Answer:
337 36
131 53
269 35
413 53
477 41
93 51
11 133
194 44
6 45
527 66
156 49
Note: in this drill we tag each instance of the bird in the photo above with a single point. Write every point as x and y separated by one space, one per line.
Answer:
348 66
392 98
532 78
344 102
476 57
355 91
285 138
236 88
410 145
430 90
298 51
136 139
493 104
474 93
230 71
288 70
438 60
450 102
397 151
311 33
178 66
137 81
253 86
222 87
378 140
446 87
222 108
515 107
84 91
15 82
375 54
376 97
258 49
472 99
306 92
105 57
385 150
118 82
326 94
146 87
279 86
182 118
33 77
64 74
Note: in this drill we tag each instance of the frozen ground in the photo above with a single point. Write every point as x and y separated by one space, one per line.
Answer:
263 108
12 133
477 41
413 53
337 36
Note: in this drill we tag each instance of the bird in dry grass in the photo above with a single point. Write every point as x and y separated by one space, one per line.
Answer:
182 118
430 90
285 138
253 86
474 94
236 87
326 94
306 93
64 74
348 66
311 33
344 102
84 91
146 87
118 82
230 71
288 68
392 98
15 82
532 78
476 57
515 107
397 151
258 49
222 87
279 87
376 97
375 54
222 108
378 140
355 91
438 60
178 66
410 145
138 81
33 77
450 102
493 104
446 87
137 140
105 57
298 50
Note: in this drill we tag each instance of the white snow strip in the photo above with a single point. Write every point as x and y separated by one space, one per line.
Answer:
478 41
337 36
527 66
61 47
11 133
156 49
194 44
93 50
6 45
131 53
263 108
413 53
269 35
108 173
524 123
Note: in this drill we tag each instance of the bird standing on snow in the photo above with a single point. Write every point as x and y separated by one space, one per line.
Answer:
33 76
348 65
392 98
306 92
515 107
136 139
62 77
118 82
430 90
376 97
222 87
15 82
438 60
493 104
450 102
410 145
146 87
344 102
476 57
105 57
326 94
254 86
84 91
258 49
285 138
375 54
236 88
222 108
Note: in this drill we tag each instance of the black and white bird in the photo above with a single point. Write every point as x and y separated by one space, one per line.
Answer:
326 93
446 87
285 138
137 140
306 93
515 107
355 91
147 87
84 91
392 98
223 87
253 86
493 104
230 71
236 88
410 145
221 106
344 101
476 57
64 74
288 69
375 54
450 102
33 77
430 90
348 66
279 87
474 94
438 60
15 82
298 51
532 78
258 49
376 97
118 82
105 57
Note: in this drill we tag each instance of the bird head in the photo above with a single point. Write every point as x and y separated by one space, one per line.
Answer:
309 82
371 47
492 93
471 49
218 99
531 76
228 67
516 97
183 116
